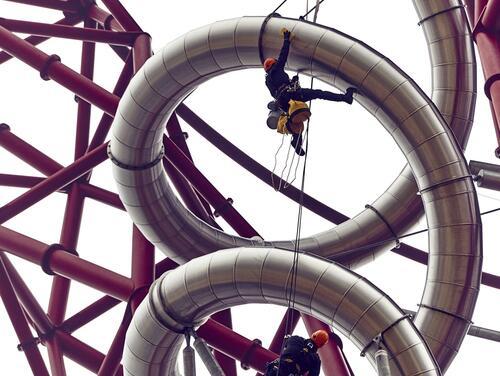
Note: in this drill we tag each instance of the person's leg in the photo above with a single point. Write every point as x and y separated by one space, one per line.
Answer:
306 95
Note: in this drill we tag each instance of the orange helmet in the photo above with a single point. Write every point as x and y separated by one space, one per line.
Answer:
268 63
320 338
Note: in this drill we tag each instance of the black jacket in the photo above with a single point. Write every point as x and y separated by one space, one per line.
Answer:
304 353
277 78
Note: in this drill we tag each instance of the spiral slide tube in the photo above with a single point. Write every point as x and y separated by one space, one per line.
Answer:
410 117
186 296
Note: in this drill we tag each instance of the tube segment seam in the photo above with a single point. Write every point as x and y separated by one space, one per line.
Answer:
145 166
438 13
445 312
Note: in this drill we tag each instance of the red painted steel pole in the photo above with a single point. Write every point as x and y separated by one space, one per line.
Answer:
491 16
53 69
89 313
106 120
82 353
102 195
111 362
27 153
84 108
207 190
16 315
121 15
193 200
69 239
66 6
143 266
56 359
53 183
69 20
19 181
487 39
69 32
235 345
28 301
332 359
67 265
104 18
255 168
287 325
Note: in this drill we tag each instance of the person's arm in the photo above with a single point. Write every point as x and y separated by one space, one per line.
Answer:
283 56
315 366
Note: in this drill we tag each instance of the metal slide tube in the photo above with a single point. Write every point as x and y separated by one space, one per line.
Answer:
331 293
392 97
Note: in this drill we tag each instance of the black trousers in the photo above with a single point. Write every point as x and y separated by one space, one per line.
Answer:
306 95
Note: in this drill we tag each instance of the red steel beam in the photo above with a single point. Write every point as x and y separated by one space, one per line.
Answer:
89 313
19 181
56 359
104 18
16 315
27 153
84 108
104 125
53 183
105 303
121 15
82 353
235 345
487 39
65 6
66 264
51 68
102 195
206 189
69 20
69 32
193 200
143 266
254 167
287 325
332 359
111 362
491 16
69 239
28 301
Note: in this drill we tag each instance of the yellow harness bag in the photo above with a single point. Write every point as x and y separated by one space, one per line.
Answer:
298 112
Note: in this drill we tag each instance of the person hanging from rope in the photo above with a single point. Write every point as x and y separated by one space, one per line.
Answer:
290 97
299 356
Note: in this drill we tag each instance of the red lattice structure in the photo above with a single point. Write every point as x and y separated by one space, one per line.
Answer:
61 261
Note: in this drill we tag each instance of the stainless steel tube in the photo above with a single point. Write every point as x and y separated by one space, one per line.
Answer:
187 295
392 97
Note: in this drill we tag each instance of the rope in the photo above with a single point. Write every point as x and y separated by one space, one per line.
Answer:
279 6
310 10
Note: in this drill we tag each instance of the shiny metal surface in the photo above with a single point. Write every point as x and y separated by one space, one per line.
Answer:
255 275
394 99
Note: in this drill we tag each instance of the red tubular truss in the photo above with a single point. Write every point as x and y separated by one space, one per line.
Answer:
119 28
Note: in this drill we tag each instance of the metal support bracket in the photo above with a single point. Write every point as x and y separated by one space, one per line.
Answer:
388 225
44 72
35 341
153 163
221 209
246 356
47 255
